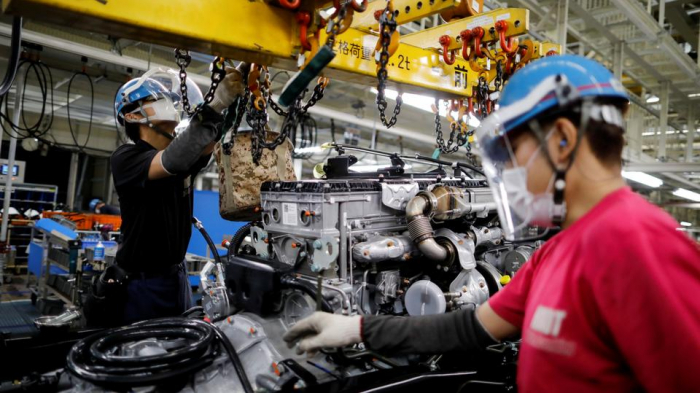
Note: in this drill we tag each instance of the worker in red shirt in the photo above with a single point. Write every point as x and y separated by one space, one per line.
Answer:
612 302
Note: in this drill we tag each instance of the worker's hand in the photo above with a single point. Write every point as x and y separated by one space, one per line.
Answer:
231 87
324 330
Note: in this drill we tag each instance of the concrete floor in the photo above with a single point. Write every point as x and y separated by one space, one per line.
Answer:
17 289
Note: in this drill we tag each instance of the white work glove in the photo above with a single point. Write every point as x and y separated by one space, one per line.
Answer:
229 88
324 330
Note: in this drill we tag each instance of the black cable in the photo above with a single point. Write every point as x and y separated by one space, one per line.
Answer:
92 108
12 64
237 364
207 238
97 358
238 238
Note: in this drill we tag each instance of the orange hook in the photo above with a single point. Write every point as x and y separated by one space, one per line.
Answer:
359 8
465 36
502 27
292 5
478 34
552 53
304 19
447 55
323 81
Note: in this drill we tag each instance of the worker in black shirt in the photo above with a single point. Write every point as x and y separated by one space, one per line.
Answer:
153 177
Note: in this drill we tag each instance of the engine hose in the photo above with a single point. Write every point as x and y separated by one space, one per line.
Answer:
238 238
210 243
15 49
421 230
293 283
93 359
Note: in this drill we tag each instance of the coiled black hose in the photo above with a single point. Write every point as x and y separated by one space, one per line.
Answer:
15 48
238 238
96 358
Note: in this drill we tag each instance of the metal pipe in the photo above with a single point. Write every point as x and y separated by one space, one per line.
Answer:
343 224
4 248
72 179
420 229
19 91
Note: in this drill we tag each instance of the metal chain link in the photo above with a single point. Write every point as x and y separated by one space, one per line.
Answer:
333 28
387 26
218 73
235 123
457 138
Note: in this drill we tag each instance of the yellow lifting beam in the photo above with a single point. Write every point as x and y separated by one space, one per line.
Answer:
407 11
255 31
518 20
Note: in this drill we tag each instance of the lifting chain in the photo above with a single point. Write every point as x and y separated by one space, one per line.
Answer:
218 73
498 81
232 121
333 28
456 134
387 26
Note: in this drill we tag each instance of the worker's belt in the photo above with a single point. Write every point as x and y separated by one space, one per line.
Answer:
165 272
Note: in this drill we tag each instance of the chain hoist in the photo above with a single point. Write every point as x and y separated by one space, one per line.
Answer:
387 26
218 73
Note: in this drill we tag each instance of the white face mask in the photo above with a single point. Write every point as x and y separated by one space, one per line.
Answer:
530 208
163 110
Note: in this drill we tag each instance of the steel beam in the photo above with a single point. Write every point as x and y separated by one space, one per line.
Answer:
663 167
663 120
618 58
562 22
408 11
690 136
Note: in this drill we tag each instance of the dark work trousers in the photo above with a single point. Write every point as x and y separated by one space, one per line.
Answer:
157 296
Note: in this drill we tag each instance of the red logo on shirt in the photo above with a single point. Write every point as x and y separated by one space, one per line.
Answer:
545 327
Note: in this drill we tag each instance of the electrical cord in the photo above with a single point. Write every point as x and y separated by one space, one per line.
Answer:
207 238
97 358
92 108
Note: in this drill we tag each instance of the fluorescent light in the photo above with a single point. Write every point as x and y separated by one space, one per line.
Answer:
415 100
311 150
643 178
652 99
373 168
686 224
683 193
681 229
693 95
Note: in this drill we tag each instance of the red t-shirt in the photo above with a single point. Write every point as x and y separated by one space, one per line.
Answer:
611 304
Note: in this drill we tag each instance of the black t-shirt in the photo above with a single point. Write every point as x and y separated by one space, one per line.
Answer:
156 214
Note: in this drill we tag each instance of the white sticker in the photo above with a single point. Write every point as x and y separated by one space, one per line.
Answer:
480 21
289 214
488 64
503 17
475 6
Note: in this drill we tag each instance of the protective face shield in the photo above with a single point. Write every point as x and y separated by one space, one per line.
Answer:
159 90
523 214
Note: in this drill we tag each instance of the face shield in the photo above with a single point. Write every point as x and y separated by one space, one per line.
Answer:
160 96
523 215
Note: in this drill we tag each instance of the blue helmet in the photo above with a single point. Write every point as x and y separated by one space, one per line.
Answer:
543 86
94 203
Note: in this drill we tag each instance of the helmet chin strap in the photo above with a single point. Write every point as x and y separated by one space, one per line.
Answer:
560 174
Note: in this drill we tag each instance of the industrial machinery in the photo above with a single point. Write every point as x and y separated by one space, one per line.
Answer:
386 242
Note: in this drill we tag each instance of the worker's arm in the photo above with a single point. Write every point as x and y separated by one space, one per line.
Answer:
204 130
464 330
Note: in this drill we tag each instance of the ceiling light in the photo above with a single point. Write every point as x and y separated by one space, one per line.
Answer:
643 178
652 99
373 168
415 100
693 95
686 224
683 193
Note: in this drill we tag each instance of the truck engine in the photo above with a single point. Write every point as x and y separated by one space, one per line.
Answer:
387 242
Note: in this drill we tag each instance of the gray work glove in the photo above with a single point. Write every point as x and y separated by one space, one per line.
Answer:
324 330
231 87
